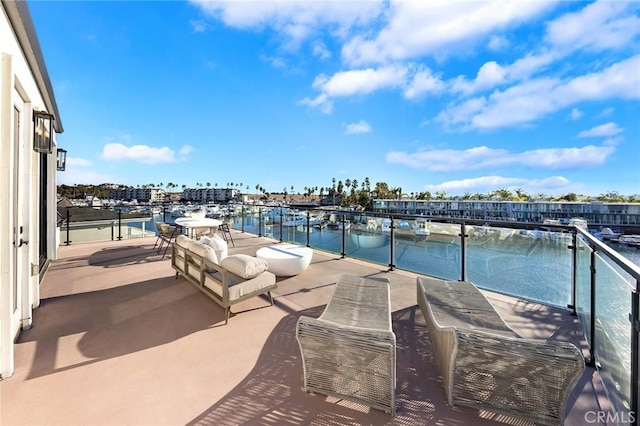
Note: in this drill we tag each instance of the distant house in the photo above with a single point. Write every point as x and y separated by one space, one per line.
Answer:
29 122
93 201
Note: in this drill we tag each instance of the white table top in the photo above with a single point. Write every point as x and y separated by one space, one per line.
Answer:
189 222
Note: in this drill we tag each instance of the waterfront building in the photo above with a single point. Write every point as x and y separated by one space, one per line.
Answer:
215 195
140 194
596 213
29 121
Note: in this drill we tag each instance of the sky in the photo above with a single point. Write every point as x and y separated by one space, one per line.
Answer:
457 97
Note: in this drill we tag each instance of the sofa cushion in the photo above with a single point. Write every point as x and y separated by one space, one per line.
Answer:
244 266
238 287
204 251
183 241
218 244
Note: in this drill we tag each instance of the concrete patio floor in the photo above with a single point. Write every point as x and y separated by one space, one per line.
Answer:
118 340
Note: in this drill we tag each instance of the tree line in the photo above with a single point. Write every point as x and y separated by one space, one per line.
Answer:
352 192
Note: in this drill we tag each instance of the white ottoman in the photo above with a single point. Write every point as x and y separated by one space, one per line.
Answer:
286 259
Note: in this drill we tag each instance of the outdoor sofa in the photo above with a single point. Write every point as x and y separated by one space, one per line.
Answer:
227 279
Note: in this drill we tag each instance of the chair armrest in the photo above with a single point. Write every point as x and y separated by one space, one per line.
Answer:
314 328
528 378
223 280
352 363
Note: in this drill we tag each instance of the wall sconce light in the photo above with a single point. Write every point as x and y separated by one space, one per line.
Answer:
62 159
42 130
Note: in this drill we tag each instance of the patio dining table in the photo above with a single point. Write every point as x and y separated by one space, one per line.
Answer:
193 224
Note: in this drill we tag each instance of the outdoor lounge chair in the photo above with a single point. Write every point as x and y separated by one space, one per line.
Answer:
350 351
486 365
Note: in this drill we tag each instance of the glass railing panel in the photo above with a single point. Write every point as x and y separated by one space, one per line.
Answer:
612 346
583 286
368 239
87 224
428 248
530 264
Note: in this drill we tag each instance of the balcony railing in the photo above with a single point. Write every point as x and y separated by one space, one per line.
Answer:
557 265
86 224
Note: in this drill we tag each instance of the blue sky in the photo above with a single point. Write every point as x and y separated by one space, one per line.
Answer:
428 95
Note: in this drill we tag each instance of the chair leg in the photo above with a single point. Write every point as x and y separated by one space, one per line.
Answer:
226 315
270 298
165 250
157 239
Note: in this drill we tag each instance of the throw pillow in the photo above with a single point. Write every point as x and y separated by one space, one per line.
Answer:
244 266
204 251
219 245
183 241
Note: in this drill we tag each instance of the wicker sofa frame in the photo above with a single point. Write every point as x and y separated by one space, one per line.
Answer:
349 352
486 365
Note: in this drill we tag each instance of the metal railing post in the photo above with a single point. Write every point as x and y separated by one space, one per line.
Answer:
634 317
119 225
592 333
343 253
308 223
392 244
242 217
259 221
463 252
280 223
574 273
68 219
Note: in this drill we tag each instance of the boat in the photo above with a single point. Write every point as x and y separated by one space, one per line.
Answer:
578 222
608 234
421 227
631 240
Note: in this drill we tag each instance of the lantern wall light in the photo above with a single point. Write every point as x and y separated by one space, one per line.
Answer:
62 159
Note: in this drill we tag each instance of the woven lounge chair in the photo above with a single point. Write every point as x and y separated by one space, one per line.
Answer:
350 351
486 365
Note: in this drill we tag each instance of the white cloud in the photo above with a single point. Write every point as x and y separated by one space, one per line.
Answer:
423 82
353 83
361 82
77 161
604 130
497 43
599 25
607 112
185 151
139 153
74 176
533 99
484 184
576 114
198 26
482 157
295 20
436 28
320 50
275 61
359 127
